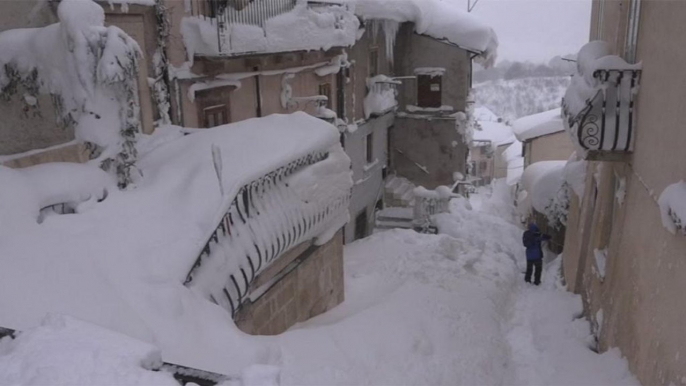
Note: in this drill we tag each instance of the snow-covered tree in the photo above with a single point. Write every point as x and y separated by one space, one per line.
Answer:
91 71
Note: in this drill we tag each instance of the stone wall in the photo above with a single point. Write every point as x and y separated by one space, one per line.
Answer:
433 144
310 284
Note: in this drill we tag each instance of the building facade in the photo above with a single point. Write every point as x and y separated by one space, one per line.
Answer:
627 266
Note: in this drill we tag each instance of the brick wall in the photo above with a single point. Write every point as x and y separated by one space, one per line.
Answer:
310 285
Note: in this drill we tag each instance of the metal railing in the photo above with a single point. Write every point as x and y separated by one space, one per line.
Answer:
265 219
428 203
607 123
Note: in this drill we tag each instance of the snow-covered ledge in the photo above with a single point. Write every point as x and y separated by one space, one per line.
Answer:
599 105
381 95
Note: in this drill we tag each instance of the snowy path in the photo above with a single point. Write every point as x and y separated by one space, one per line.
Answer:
448 309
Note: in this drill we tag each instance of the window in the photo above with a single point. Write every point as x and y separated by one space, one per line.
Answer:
373 62
215 116
361 225
632 31
325 89
429 90
369 148
483 165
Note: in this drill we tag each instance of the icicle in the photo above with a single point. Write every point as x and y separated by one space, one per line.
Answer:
390 30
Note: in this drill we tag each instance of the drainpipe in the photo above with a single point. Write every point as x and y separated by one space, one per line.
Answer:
258 92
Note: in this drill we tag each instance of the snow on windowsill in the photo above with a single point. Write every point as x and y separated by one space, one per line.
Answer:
370 165
210 84
417 109
430 71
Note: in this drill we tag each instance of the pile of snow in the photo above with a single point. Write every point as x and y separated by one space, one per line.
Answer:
303 28
441 20
546 191
584 86
121 263
381 97
515 162
538 125
672 203
67 351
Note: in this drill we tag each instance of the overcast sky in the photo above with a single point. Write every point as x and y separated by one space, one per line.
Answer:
536 30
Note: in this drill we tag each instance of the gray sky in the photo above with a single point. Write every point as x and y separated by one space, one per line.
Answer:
536 30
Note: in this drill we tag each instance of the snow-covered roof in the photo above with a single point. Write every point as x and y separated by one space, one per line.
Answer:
538 125
439 19
482 113
120 263
542 181
496 132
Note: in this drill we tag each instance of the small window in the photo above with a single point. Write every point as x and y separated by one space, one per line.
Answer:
361 225
429 90
373 62
215 116
325 89
369 148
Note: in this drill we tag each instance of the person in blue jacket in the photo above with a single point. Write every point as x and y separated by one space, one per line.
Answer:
532 239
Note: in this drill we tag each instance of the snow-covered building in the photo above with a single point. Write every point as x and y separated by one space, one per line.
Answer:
490 139
433 57
543 136
625 242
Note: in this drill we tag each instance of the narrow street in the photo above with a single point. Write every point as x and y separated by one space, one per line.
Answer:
449 309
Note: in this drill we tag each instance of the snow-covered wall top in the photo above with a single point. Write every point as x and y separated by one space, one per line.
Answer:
515 162
538 125
120 263
544 185
438 19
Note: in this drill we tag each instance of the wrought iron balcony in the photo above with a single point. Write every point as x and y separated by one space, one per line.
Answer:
604 127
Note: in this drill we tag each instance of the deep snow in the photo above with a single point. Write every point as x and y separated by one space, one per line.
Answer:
420 309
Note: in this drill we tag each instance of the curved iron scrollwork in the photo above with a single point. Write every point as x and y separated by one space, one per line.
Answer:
606 123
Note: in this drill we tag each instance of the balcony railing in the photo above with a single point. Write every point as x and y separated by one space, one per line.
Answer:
605 127
428 203
252 12
266 218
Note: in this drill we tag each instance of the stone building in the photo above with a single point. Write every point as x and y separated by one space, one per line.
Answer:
627 266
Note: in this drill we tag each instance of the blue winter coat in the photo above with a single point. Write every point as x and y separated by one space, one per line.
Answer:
532 241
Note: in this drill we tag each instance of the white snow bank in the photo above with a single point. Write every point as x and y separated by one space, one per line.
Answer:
66 351
672 203
441 20
538 125
544 184
121 264
303 28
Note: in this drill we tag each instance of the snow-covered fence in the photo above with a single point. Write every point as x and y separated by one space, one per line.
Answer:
428 203
599 105
265 219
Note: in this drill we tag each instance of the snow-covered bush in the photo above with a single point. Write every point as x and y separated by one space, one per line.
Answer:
92 72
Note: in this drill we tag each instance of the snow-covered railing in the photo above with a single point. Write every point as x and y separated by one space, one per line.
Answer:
428 203
381 95
251 26
266 218
253 12
599 106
